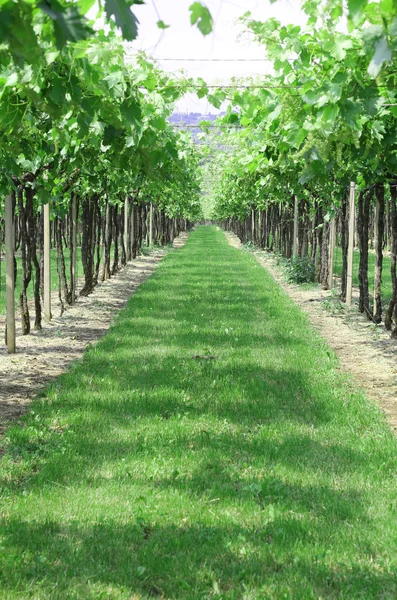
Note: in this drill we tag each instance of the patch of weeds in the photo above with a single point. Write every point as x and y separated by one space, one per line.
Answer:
145 250
334 305
376 330
279 259
300 269
249 246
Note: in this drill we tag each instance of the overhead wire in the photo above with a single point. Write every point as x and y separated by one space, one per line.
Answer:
267 60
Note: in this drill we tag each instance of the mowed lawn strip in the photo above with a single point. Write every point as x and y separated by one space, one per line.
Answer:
207 447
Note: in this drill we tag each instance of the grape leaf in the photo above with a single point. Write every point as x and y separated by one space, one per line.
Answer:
69 24
382 55
356 9
201 16
124 17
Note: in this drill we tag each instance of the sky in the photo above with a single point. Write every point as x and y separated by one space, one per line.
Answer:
182 41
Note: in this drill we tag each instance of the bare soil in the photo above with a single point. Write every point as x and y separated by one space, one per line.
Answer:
43 355
365 350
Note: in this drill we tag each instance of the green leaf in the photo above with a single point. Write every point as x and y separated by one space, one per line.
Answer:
114 78
274 114
51 56
159 123
312 97
16 28
130 141
201 16
387 7
330 113
85 5
123 16
162 25
334 92
336 12
356 9
69 24
12 80
382 55
132 112
110 134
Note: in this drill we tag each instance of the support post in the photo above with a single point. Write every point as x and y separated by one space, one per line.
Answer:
10 284
47 264
296 214
151 225
350 251
332 241
73 254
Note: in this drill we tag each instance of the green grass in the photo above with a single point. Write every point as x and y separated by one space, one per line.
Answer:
151 471
54 277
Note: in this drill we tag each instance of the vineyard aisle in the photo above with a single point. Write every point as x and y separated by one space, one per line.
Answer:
206 447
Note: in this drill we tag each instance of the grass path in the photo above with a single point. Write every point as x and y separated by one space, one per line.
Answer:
207 447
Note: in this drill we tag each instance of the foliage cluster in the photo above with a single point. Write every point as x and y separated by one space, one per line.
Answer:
300 269
325 117
77 116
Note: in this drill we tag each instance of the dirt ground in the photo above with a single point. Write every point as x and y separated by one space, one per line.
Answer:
364 349
43 355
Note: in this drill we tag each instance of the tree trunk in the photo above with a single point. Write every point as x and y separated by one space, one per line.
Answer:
391 312
107 242
324 268
26 261
380 215
116 225
31 223
344 243
364 200
87 243
98 242
64 292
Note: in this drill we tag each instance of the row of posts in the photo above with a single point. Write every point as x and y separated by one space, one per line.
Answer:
10 250
332 243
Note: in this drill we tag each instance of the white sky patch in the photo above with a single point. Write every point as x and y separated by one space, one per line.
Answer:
182 41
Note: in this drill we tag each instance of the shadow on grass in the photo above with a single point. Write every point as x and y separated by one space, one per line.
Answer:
149 559
183 477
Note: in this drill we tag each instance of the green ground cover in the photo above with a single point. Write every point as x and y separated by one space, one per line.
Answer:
207 447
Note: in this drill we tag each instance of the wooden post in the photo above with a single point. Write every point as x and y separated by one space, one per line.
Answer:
151 225
73 250
350 251
10 284
296 232
47 264
332 241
